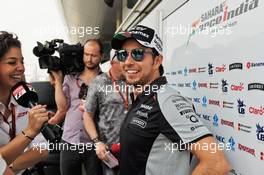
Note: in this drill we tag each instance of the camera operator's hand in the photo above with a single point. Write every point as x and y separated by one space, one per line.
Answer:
101 150
56 77
36 118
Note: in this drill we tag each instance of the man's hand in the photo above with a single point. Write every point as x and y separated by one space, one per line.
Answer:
55 77
101 150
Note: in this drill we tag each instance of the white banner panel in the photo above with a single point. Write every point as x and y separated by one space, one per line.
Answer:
214 54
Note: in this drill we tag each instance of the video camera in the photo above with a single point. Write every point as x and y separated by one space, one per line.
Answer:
70 60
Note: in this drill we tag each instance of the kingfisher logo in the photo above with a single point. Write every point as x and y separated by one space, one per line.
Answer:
194 85
256 111
220 14
253 65
215 122
227 123
221 68
185 71
202 85
235 66
224 86
210 69
256 86
241 106
247 149
260 132
231 144
214 102
192 70
204 101
239 87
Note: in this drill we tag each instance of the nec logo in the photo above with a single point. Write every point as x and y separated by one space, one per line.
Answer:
210 69
241 106
224 85
220 138
196 100
206 117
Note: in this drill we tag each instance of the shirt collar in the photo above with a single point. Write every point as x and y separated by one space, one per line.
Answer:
3 107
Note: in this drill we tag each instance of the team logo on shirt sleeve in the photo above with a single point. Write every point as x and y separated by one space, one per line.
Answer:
139 122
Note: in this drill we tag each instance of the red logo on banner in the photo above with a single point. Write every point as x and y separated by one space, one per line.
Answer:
248 65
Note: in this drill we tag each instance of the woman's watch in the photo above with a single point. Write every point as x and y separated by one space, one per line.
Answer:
96 140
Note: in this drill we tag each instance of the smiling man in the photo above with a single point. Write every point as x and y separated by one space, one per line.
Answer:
160 118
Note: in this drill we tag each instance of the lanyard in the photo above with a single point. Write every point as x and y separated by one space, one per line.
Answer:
12 130
124 97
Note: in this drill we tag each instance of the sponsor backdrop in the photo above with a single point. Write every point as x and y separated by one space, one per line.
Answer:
214 55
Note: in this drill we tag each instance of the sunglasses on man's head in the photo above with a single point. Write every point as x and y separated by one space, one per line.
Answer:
136 54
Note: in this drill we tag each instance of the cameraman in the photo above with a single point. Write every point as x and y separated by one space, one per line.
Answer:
68 102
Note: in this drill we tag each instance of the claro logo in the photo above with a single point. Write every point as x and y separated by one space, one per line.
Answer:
256 110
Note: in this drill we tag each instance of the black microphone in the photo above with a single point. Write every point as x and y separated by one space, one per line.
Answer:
26 96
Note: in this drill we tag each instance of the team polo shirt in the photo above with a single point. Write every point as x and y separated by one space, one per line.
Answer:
156 131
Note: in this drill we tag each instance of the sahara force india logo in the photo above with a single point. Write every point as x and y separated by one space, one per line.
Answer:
220 14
